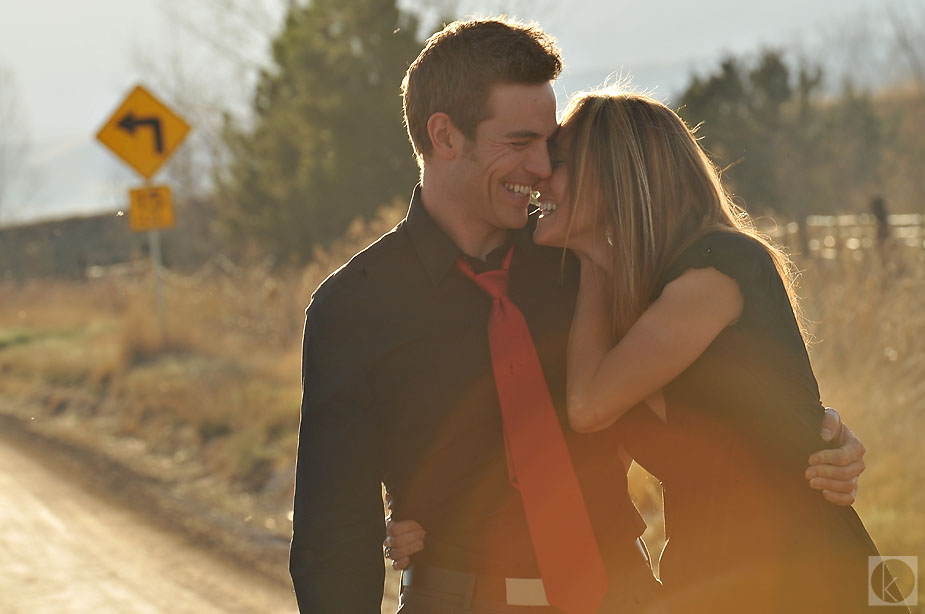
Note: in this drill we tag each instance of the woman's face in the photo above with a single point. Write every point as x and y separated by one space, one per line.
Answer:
556 204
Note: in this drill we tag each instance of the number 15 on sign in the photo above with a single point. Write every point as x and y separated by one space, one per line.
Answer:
151 208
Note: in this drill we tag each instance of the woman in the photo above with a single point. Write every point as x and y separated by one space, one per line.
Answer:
683 305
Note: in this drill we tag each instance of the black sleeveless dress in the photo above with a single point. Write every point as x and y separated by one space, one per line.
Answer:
745 531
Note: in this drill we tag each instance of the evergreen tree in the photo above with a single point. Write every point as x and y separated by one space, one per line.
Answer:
743 117
327 142
788 148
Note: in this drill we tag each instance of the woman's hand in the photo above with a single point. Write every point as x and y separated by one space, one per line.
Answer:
406 538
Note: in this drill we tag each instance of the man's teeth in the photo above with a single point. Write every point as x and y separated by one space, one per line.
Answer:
519 189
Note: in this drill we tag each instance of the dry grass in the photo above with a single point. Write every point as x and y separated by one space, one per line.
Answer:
869 357
224 384
870 361
224 379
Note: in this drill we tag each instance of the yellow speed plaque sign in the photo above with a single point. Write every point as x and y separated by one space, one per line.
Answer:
151 208
143 131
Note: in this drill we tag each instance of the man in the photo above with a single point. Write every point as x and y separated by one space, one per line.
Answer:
396 351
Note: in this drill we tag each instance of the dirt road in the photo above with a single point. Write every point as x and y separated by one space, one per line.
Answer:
63 550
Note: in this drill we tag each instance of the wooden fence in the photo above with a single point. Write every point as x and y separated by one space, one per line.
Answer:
828 236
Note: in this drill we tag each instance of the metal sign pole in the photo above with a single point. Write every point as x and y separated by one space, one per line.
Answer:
157 265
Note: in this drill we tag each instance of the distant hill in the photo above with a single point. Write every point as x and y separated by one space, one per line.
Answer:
70 247
66 248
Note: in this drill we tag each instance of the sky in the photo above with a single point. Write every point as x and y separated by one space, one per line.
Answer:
71 63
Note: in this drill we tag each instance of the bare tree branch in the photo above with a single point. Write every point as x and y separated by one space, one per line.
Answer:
432 12
908 24
235 30
14 140
207 69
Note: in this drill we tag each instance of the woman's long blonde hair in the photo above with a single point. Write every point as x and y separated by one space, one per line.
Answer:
659 192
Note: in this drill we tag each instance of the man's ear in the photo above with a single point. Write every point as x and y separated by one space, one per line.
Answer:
445 137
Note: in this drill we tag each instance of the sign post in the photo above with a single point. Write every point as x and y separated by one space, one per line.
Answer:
144 132
154 244
152 209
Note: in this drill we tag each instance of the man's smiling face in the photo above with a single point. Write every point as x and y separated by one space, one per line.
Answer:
509 155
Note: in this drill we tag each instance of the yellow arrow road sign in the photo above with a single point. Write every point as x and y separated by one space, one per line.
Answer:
151 208
143 131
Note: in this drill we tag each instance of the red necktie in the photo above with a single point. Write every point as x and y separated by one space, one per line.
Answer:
538 458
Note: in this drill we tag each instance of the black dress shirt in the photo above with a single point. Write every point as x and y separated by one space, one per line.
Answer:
398 389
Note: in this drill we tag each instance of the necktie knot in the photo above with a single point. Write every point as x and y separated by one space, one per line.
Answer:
494 283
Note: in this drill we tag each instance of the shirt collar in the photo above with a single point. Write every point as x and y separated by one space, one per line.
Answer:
436 250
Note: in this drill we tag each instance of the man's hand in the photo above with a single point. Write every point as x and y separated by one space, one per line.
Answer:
406 537
835 472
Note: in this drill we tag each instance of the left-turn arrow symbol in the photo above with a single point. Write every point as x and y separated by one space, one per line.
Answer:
129 122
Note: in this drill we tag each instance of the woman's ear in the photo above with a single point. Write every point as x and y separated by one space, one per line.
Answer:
444 136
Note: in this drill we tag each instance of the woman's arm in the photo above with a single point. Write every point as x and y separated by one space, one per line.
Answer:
605 380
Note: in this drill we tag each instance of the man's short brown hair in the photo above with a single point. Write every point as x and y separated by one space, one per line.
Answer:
459 65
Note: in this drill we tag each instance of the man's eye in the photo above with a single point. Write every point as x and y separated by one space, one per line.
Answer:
520 144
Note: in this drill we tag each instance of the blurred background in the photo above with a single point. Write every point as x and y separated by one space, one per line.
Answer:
297 159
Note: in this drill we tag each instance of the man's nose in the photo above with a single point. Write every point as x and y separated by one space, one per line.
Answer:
538 164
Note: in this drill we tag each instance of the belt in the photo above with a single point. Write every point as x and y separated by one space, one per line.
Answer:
472 586
478 587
